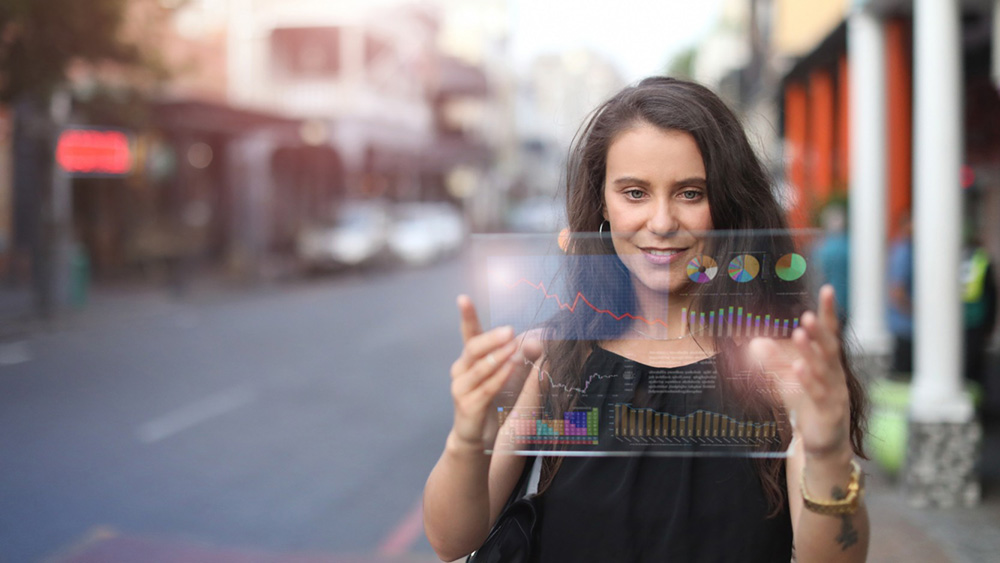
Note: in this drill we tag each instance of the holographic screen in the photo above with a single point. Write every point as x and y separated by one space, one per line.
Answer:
662 399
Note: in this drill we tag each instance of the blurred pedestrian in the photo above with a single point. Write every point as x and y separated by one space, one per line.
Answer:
833 256
900 314
979 298
656 166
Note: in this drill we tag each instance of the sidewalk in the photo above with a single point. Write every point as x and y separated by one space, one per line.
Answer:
137 297
114 302
901 532
929 535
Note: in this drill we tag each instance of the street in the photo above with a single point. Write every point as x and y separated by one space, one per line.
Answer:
301 418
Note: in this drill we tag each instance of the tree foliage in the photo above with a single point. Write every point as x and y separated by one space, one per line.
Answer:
39 39
682 64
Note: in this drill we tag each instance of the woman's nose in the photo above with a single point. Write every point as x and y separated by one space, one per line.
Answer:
662 220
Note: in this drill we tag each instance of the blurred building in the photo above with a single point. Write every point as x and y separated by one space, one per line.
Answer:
273 114
741 59
387 111
473 39
554 98
893 105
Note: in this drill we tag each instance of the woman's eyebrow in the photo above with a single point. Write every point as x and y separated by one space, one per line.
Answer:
696 181
630 181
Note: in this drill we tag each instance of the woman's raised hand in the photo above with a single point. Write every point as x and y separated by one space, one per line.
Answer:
488 361
812 380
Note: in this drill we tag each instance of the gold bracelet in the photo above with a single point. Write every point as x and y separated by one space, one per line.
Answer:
845 506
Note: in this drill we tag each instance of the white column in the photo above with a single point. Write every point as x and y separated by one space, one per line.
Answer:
937 200
868 190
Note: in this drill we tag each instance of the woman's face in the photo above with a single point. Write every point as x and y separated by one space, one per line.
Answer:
656 202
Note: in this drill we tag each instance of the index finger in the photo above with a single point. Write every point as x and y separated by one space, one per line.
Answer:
828 308
830 341
470 319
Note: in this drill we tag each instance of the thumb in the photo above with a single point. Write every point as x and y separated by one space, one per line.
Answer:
531 346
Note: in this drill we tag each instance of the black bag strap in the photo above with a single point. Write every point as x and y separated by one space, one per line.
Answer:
527 485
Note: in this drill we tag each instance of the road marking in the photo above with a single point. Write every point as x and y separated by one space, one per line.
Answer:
195 413
405 534
94 536
14 353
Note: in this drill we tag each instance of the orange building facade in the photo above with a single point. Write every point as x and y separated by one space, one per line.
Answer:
816 129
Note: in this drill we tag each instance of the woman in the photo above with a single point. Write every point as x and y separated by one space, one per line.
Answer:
658 164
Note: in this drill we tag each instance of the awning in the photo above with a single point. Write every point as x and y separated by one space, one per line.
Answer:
215 118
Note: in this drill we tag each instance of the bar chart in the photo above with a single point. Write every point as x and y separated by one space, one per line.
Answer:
701 426
733 321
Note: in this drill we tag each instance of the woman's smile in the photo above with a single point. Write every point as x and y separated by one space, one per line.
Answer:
661 256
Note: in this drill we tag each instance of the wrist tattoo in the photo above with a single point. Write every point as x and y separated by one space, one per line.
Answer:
848 535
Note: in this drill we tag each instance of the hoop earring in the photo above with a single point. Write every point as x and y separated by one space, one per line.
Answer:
601 229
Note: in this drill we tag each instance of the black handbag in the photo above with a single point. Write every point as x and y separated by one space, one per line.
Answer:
512 538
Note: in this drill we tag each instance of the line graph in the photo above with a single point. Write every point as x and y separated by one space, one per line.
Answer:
571 307
542 373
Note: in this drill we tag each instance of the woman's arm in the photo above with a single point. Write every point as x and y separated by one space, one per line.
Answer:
821 537
467 488
821 459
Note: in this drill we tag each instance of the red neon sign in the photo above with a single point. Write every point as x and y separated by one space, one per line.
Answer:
90 151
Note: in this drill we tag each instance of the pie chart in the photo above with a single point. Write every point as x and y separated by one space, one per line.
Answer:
790 267
744 268
702 269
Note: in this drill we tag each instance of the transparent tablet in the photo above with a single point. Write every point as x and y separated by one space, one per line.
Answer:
645 340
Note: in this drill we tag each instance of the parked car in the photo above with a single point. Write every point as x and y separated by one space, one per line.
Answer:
424 232
355 236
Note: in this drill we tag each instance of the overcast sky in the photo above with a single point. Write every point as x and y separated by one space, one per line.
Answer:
640 36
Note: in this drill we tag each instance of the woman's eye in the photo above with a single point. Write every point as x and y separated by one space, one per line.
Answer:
634 193
691 194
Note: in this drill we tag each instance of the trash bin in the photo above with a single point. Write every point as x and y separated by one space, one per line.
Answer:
888 426
890 402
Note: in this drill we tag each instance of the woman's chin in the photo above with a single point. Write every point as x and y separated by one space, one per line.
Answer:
662 286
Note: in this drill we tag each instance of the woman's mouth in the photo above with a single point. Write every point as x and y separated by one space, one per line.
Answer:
661 256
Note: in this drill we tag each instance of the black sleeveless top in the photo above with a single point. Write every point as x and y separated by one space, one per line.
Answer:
676 509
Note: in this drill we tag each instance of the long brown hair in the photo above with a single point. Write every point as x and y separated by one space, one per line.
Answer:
740 200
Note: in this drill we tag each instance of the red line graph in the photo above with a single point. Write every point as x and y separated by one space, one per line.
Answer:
580 297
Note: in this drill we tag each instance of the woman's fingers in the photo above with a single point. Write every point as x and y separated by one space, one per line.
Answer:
488 361
470 319
823 335
479 346
810 366
824 327
483 368
483 395
529 350
828 309
531 345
